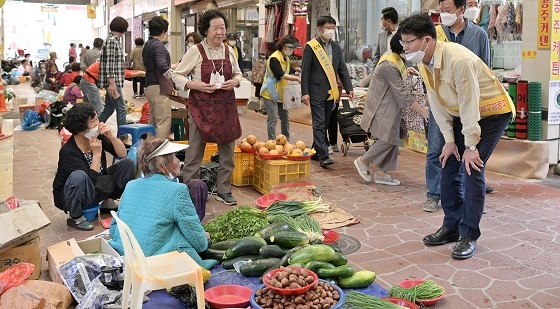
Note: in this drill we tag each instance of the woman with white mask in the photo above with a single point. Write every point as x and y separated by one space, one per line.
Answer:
83 179
276 79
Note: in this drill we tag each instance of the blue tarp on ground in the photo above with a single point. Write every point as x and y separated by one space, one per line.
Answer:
161 299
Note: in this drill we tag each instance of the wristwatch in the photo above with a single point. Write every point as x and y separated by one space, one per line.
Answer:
472 147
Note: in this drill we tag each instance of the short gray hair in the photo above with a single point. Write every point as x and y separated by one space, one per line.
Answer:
151 167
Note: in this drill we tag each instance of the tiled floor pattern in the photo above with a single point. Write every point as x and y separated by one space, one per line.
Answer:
516 263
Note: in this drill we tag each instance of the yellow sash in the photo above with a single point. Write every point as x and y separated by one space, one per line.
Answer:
396 59
327 66
441 34
501 104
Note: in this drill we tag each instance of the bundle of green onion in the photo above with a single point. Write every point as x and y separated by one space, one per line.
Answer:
296 208
303 224
428 289
357 300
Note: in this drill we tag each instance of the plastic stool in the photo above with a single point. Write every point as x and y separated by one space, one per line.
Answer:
178 129
136 130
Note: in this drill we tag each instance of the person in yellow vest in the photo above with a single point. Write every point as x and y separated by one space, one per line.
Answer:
472 110
233 42
386 98
321 64
275 80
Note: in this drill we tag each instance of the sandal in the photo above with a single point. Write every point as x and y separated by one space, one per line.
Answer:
80 224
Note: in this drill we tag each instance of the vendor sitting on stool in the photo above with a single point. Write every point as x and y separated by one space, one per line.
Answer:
159 210
82 178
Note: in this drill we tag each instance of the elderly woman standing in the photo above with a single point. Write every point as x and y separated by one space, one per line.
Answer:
387 97
158 210
213 114
275 80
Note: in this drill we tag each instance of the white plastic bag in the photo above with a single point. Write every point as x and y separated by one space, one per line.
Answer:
292 96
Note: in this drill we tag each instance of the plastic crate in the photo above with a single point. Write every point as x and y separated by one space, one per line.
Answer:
209 151
244 168
271 172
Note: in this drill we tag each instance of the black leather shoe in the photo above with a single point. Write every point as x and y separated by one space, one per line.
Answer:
441 237
489 189
464 248
326 162
315 157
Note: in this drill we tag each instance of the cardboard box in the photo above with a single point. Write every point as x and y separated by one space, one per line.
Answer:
61 253
21 224
29 252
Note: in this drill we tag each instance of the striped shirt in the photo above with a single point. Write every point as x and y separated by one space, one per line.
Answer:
112 64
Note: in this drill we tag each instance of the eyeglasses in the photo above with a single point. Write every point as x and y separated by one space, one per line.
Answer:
403 43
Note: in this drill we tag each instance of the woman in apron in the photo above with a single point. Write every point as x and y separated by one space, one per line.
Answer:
213 114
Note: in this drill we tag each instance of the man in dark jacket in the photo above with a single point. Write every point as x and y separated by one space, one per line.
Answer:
322 65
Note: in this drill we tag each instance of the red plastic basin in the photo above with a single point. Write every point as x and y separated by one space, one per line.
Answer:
228 296
411 283
288 292
266 200
402 302
330 236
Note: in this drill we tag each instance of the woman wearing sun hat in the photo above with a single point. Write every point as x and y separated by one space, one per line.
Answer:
159 210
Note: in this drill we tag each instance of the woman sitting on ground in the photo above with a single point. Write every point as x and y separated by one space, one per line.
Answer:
73 91
83 179
159 210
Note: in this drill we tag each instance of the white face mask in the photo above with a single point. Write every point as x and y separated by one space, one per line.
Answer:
231 43
190 45
288 51
92 133
417 56
329 34
472 13
169 175
448 19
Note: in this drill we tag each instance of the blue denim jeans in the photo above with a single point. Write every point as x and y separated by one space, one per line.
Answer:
114 104
433 165
273 110
91 95
462 199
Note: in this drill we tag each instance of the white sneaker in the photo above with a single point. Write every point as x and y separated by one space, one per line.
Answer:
363 170
331 150
386 180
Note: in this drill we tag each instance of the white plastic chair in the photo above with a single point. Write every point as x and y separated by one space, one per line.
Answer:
156 272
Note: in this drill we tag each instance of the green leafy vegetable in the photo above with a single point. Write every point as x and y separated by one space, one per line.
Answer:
428 289
237 223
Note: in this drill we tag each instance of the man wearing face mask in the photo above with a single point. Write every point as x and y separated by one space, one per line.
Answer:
472 110
460 30
233 43
83 179
322 63
472 11
389 24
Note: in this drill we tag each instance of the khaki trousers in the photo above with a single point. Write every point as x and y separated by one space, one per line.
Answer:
160 111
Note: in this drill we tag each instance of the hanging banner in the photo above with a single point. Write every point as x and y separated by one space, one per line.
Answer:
544 24
555 42
554 102
91 11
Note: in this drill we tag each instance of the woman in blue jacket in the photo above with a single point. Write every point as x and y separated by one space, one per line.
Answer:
159 210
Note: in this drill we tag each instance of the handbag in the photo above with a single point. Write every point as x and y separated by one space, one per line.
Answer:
292 96
104 184
259 70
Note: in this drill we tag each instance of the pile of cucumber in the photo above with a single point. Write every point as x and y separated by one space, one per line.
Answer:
277 246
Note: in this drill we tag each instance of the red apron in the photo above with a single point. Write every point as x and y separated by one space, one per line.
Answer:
215 114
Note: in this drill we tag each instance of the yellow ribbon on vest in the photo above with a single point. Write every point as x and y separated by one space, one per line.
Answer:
396 59
327 66
441 34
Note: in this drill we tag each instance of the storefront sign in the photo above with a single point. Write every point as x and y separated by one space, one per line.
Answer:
544 24
529 54
91 11
554 102
555 42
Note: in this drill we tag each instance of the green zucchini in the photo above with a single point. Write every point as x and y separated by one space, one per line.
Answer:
270 251
257 268
228 264
223 245
339 259
312 253
314 265
359 280
335 247
343 271
213 254
286 257
289 239
245 246
265 232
